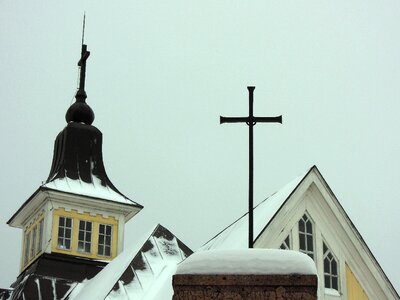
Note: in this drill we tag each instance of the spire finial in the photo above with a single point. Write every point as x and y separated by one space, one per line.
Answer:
81 94
80 111
83 27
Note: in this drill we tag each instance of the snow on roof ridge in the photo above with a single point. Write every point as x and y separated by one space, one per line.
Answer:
93 189
99 286
248 261
270 208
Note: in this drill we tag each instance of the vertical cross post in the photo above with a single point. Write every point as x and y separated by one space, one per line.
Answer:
251 121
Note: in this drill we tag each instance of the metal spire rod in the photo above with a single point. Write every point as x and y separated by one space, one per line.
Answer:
83 27
251 120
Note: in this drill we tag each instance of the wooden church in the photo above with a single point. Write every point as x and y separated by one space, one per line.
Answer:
73 231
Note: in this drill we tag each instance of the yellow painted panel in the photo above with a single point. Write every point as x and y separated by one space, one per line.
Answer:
354 289
96 221
28 230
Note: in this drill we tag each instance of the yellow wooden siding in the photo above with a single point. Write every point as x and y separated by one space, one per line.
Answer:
36 251
354 289
96 221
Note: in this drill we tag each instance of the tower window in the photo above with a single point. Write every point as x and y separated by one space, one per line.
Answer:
33 252
286 244
306 236
27 244
40 237
85 236
104 247
330 269
64 233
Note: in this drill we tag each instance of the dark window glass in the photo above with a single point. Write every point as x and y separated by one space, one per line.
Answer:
302 244
335 283
306 236
85 236
105 239
64 233
330 269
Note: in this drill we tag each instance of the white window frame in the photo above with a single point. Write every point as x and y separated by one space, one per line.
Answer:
104 245
306 233
64 229
83 234
328 273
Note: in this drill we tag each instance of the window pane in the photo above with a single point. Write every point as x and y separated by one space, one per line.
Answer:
64 233
309 227
101 250
80 246
325 248
327 281
310 246
27 243
334 267
301 226
40 237
101 239
108 230
327 266
108 240
330 270
302 242
85 236
108 251
335 283
287 241
101 228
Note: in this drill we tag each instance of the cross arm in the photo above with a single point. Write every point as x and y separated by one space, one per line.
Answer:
268 119
248 119
84 56
233 119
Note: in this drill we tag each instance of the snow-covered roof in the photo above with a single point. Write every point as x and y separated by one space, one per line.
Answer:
94 189
143 271
248 261
235 235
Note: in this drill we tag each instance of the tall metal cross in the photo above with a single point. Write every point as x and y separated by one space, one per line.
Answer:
81 94
82 63
251 120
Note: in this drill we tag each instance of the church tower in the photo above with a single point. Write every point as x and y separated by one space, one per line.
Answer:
77 214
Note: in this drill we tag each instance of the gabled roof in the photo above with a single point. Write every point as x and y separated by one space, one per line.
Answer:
142 271
235 235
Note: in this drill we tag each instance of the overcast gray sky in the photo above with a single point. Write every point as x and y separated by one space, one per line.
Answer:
160 74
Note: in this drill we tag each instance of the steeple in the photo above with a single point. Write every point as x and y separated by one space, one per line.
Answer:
78 148
77 212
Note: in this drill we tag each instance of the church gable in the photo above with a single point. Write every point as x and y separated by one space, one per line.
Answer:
306 216
312 221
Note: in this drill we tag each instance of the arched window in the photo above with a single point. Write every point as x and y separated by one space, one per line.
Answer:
286 244
306 237
330 270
